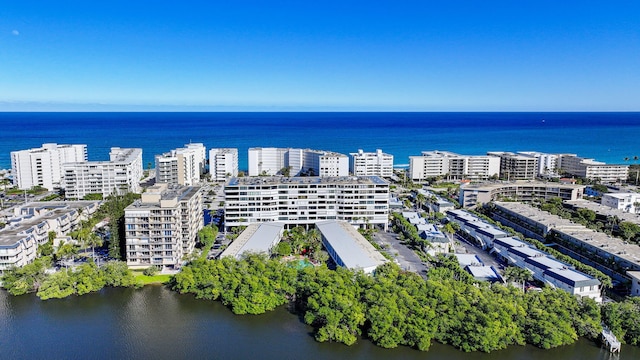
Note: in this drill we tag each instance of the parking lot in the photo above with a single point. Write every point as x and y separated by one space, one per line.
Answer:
406 258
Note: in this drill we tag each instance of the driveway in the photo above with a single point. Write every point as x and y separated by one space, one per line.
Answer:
465 247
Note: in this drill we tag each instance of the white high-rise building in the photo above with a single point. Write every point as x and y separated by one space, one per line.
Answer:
43 166
163 225
453 166
266 161
181 166
547 163
270 161
371 163
200 155
223 163
122 173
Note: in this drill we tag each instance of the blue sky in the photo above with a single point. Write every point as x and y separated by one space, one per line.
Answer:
320 55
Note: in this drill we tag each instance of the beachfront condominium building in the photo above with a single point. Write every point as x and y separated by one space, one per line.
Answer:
516 166
182 166
200 155
361 201
547 163
593 170
31 224
223 163
371 163
43 166
294 162
471 195
162 226
122 173
447 164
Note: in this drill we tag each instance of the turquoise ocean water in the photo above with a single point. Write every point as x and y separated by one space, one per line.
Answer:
609 137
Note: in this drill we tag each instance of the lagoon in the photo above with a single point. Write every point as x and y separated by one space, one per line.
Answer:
156 323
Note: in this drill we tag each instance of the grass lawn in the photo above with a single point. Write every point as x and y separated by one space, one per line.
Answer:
155 279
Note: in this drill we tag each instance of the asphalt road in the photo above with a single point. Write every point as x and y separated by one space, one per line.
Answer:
465 247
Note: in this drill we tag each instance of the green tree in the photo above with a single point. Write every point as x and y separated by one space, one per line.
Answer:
623 318
283 249
517 274
628 230
19 281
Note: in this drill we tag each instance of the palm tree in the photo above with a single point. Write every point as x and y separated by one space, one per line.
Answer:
94 241
66 250
420 200
517 274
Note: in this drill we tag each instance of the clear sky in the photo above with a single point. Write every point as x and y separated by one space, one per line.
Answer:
320 55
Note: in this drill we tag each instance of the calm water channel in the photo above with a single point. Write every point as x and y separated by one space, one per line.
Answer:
155 323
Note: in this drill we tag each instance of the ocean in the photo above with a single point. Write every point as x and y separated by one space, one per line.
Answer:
608 137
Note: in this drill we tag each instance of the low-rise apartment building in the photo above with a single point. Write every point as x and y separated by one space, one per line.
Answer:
547 269
627 202
471 195
163 226
361 201
482 232
122 173
611 255
31 225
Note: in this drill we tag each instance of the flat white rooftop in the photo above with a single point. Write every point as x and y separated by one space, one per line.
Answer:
352 248
468 259
256 238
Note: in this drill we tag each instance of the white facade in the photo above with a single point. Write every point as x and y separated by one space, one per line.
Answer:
270 161
362 201
453 166
43 166
484 233
516 166
181 166
30 227
200 152
635 282
122 173
547 163
371 163
348 248
223 163
547 269
266 161
627 202
163 225
591 169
